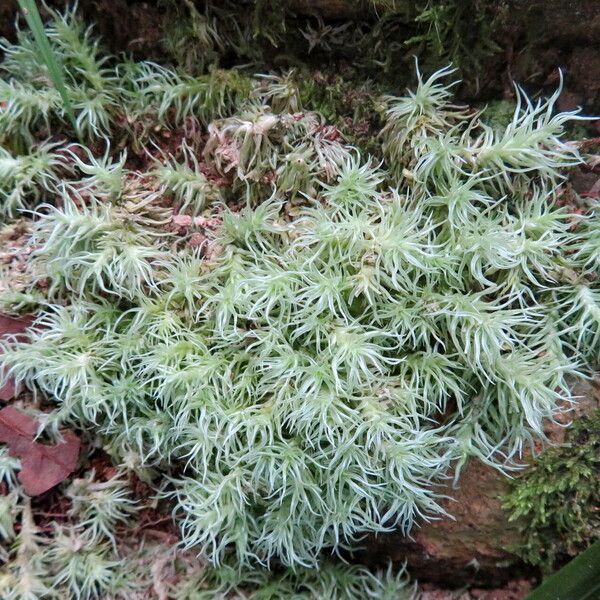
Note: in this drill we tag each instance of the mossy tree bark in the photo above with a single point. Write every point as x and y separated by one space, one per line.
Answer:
534 37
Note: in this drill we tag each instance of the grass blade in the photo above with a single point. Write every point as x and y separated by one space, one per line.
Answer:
32 16
578 580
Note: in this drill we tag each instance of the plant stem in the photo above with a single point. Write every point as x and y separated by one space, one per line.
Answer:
578 580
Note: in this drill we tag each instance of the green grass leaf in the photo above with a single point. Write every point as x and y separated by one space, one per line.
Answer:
32 16
578 580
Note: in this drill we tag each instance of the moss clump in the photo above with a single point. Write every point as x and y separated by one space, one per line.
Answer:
556 500
374 39
499 113
289 340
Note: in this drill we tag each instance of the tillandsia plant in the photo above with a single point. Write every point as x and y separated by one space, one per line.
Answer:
292 343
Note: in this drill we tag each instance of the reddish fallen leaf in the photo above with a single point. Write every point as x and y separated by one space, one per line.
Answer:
12 326
42 466
9 324
10 389
16 429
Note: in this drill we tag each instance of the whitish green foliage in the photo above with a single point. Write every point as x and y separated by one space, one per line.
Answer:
101 506
421 115
280 92
8 468
102 177
82 567
75 560
286 153
90 84
104 95
185 180
347 333
8 514
24 179
79 569
23 577
177 96
25 109
71 561
338 582
96 248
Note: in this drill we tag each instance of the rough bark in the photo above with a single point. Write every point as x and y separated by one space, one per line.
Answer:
470 547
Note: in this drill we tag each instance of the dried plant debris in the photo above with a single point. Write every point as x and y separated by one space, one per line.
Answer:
281 339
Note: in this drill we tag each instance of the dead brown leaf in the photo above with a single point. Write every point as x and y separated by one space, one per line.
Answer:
42 466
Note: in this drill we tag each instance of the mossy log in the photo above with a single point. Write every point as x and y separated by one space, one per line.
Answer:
533 39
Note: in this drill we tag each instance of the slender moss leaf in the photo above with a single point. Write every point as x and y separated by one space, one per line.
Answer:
32 16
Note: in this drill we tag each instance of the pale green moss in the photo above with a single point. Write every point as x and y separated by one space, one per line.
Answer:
289 340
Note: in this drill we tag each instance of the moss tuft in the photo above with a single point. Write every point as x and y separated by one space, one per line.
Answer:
290 339
556 500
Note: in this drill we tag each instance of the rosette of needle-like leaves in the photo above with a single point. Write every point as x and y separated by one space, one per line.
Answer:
175 96
104 178
438 141
23 179
317 374
100 505
91 247
72 565
281 93
25 109
334 581
9 466
282 153
588 245
424 113
184 179
90 84
530 143
81 567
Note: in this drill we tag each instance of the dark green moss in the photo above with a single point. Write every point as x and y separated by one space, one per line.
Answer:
378 41
557 500
355 108
498 113
462 32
